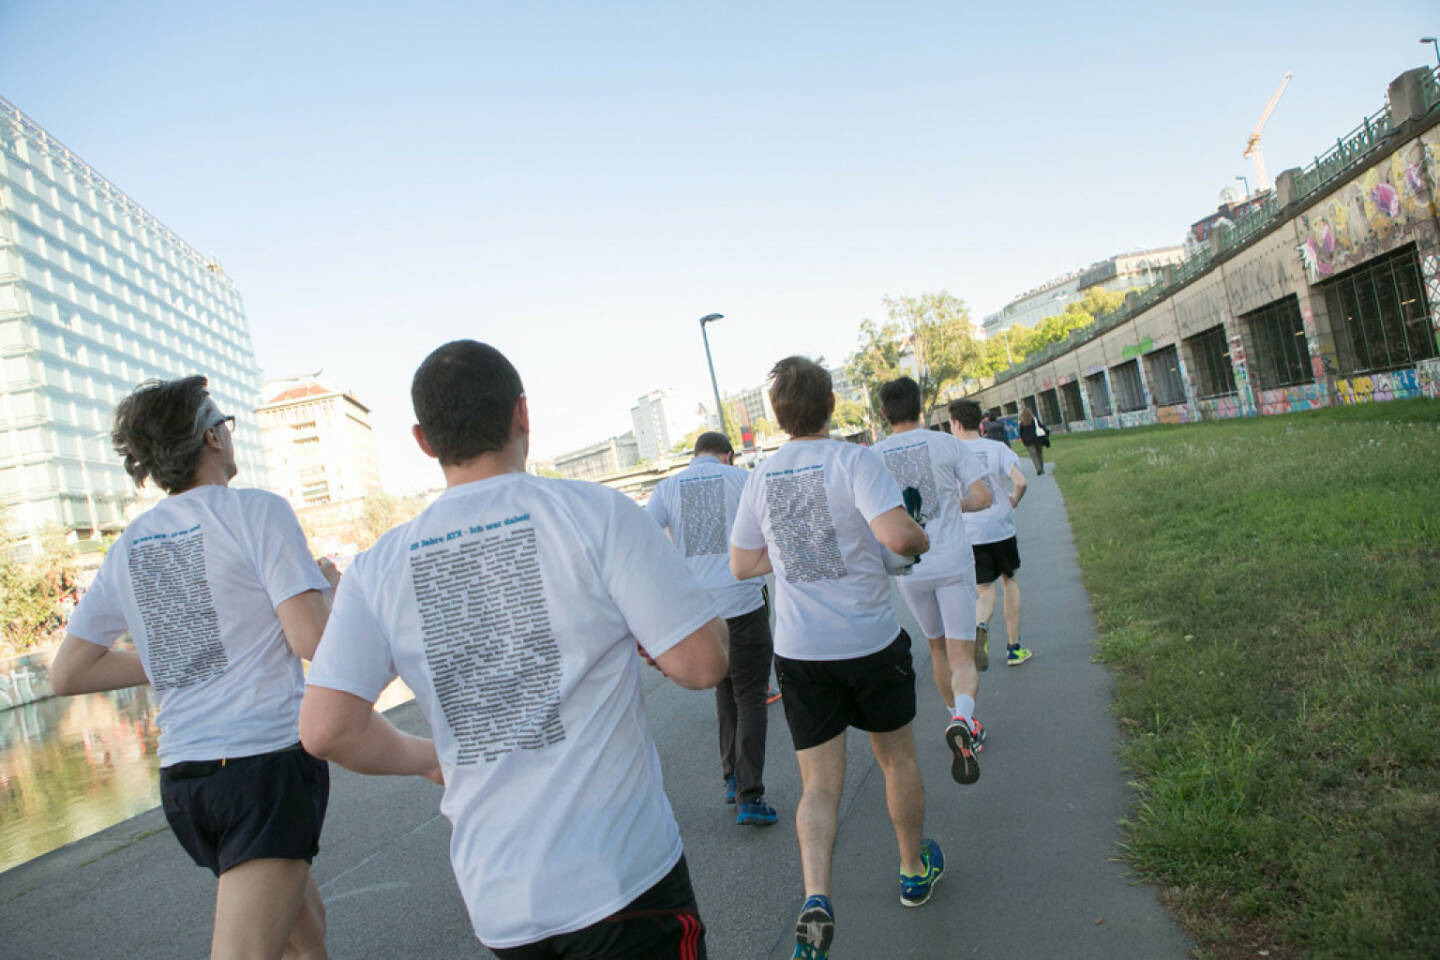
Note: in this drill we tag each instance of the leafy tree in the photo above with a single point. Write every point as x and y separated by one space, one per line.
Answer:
31 590
938 330
850 416
876 359
382 512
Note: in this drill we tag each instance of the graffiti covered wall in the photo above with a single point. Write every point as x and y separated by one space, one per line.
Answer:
1376 387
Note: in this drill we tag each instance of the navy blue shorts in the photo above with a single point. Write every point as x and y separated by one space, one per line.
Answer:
269 806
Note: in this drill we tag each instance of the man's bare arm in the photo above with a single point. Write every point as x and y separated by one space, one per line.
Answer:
977 498
1018 479
745 564
899 534
701 660
339 726
84 667
303 617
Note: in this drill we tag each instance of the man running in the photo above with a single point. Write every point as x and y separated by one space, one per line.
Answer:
942 478
992 532
512 606
697 506
822 514
221 597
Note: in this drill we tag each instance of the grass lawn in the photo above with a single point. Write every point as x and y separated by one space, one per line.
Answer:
1268 592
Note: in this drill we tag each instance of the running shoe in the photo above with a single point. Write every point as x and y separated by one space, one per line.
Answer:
978 729
1014 656
965 768
756 813
982 647
814 929
916 891
730 789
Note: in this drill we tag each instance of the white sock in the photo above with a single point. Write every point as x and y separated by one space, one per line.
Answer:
964 706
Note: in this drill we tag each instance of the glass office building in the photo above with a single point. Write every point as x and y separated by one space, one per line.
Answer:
96 295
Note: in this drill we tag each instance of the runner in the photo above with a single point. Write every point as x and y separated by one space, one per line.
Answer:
818 512
992 532
933 469
697 506
512 607
221 597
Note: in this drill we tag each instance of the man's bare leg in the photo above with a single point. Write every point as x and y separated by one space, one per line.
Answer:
984 602
904 793
940 667
964 677
268 909
822 778
1012 609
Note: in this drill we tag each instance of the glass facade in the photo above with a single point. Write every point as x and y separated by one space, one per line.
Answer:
96 296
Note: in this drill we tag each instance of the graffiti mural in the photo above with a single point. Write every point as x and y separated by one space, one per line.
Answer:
1175 413
1136 418
1385 206
1310 396
1242 376
1104 423
1430 267
1379 387
1427 378
1218 408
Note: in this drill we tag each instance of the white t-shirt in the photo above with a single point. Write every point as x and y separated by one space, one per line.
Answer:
997 521
512 607
196 580
698 506
811 504
941 468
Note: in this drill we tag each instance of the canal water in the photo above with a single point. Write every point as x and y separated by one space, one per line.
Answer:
72 766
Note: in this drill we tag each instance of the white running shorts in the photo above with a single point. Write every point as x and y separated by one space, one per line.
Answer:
942 608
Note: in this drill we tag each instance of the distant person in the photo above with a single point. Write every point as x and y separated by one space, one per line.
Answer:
942 478
822 515
1035 438
992 533
697 506
994 429
512 606
221 597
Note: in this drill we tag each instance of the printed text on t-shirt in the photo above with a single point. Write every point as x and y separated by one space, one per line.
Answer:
801 524
182 629
702 511
911 467
486 628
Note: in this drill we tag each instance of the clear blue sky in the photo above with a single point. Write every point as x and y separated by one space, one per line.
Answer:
577 183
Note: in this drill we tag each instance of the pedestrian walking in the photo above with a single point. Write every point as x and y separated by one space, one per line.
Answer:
992 534
993 429
219 593
697 507
824 515
513 606
1035 438
944 480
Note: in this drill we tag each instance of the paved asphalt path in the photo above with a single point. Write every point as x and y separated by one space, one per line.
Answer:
1029 848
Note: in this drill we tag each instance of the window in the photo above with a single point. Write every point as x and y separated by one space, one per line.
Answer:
1049 407
1070 400
1129 395
1380 314
1163 371
1012 409
1099 394
1210 363
1279 355
1028 402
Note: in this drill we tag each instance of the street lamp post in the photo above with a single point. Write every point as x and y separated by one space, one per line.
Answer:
1436 42
714 385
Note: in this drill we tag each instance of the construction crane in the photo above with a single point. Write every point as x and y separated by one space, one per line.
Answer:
1252 146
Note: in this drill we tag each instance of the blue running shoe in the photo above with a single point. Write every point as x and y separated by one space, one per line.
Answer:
756 813
730 789
915 891
814 929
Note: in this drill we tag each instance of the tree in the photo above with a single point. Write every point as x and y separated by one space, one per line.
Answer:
876 360
382 512
849 416
937 329
30 590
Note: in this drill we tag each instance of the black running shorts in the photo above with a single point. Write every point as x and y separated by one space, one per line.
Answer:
874 693
663 923
994 559
269 806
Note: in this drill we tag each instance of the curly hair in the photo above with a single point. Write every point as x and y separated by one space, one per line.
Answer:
159 431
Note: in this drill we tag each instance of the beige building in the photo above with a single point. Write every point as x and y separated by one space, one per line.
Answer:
318 447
